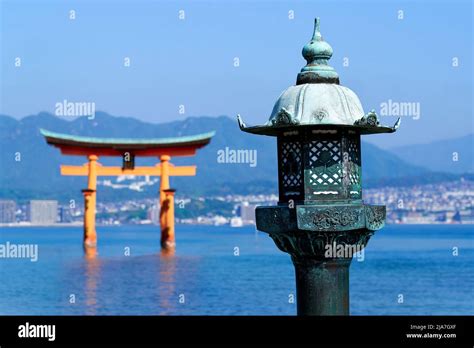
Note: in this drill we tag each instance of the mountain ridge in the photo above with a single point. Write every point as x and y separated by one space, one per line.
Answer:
454 155
37 173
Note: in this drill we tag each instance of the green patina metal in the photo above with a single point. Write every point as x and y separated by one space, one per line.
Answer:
317 52
87 141
318 125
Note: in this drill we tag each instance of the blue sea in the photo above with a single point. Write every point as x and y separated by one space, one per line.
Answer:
206 276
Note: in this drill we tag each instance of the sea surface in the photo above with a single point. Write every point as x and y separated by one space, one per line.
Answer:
406 269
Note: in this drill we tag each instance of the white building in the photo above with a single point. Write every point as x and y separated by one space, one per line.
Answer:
247 212
153 214
43 212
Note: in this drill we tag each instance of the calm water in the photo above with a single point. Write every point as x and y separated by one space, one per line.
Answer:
415 261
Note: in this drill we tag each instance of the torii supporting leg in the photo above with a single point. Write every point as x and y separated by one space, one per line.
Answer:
167 218
165 176
90 235
167 236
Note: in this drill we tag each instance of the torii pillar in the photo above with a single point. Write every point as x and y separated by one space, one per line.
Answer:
167 220
166 206
90 235
165 176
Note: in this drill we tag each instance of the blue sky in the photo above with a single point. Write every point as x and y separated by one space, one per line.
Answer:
190 62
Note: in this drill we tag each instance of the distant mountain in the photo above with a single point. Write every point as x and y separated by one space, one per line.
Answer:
36 174
441 155
38 170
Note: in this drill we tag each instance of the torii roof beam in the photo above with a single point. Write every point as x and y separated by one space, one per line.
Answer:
153 147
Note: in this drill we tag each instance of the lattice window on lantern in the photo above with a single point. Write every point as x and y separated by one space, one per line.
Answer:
353 151
324 164
291 159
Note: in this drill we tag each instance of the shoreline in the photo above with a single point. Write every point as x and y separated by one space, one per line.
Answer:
73 224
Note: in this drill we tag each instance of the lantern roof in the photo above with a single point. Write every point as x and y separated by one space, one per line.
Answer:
317 100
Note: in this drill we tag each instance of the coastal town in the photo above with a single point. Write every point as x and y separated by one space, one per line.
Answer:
442 203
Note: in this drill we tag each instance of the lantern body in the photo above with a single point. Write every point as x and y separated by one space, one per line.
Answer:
319 166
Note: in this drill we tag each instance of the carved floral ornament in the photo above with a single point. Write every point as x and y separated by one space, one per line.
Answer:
375 216
330 218
313 243
342 218
320 114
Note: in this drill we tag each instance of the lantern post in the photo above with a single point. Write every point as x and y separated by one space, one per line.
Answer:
321 219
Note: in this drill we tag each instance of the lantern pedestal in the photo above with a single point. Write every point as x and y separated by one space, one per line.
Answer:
322 287
321 240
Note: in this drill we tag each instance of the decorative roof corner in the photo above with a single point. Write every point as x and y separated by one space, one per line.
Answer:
284 118
371 121
242 125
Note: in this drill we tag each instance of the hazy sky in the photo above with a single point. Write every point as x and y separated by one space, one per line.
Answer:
396 50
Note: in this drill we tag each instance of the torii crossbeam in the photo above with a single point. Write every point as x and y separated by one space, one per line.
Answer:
128 149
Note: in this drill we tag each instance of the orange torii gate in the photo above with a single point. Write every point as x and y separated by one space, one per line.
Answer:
128 149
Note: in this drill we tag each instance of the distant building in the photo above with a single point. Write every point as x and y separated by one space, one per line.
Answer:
456 217
7 211
153 214
43 212
65 214
247 212
467 216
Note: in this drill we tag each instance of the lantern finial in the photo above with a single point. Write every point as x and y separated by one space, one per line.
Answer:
317 32
317 52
